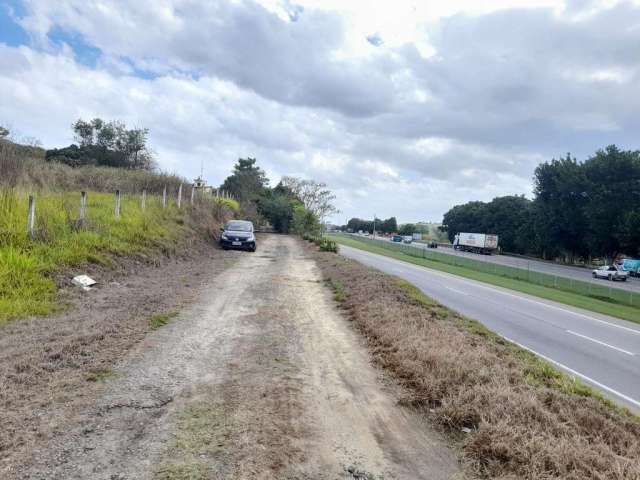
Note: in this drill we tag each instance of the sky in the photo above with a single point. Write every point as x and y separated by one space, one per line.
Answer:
404 108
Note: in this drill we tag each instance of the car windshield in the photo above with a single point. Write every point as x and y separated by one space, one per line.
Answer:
239 226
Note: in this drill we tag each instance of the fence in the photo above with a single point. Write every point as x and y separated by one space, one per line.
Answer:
196 193
597 289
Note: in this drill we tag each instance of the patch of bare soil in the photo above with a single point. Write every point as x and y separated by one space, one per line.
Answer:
260 378
522 421
50 368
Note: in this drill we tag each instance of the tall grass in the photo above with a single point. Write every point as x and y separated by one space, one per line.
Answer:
27 265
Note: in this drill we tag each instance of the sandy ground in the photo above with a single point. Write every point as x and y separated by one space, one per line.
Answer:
259 378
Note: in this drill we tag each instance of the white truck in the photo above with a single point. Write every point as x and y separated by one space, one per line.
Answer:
476 242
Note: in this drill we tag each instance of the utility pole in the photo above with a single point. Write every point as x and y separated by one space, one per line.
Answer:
374 225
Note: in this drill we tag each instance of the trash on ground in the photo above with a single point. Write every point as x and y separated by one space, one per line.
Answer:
84 282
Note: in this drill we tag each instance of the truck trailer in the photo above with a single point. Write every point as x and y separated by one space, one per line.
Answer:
483 243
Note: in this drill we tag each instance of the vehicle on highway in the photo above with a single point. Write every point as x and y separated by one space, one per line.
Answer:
397 238
407 238
238 234
611 272
632 266
476 242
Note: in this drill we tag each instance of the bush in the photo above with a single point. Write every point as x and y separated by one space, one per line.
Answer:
327 245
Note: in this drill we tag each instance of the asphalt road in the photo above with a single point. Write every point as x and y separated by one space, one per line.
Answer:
577 273
600 350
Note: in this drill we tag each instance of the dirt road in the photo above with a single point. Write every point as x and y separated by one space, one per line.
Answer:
260 378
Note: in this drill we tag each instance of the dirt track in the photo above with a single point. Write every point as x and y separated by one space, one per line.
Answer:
260 378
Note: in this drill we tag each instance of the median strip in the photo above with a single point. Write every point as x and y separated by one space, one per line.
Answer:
586 302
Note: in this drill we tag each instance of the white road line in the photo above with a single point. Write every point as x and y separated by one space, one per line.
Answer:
578 374
457 291
599 342
498 290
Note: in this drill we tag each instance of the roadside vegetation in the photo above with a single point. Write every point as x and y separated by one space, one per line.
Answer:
512 414
596 303
31 264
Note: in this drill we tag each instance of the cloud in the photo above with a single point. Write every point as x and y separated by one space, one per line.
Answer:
456 106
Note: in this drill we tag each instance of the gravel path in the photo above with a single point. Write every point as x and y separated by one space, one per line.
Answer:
260 378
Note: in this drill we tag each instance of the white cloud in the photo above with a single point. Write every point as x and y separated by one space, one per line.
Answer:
458 100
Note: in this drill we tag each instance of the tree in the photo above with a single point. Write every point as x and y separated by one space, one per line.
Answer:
4 133
561 196
407 229
305 221
247 182
277 206
315 196
613 191
107 144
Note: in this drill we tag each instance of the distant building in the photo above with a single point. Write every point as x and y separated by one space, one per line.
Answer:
201 184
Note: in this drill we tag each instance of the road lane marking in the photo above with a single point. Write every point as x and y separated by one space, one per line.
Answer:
600 342
499 290
578 374
457 291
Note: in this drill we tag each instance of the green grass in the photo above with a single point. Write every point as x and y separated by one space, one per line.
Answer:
27 266
161 319
607 307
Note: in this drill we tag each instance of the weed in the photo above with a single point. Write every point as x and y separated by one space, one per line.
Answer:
160 319
100 375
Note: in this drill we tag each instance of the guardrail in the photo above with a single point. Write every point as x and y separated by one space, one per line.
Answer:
589 288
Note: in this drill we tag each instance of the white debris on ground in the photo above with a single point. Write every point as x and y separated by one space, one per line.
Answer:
84 282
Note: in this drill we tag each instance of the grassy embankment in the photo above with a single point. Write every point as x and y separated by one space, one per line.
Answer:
595 302
27 267
512 414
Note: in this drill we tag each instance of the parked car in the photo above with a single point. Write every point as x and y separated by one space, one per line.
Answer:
238 234
611 272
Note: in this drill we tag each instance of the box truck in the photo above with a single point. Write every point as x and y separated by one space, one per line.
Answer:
476 242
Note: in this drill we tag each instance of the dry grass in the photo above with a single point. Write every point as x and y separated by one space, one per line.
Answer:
527 421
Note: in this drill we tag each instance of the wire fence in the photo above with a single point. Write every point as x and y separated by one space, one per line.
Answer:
598 289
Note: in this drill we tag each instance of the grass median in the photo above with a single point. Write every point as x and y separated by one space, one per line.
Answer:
586 302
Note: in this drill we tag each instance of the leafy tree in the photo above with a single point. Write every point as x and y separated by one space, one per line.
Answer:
407 229
247 182
305 221
613 189
561 196
4 133
315 196
107 144
277 206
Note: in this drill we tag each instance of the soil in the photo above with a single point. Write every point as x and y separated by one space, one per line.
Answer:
258 377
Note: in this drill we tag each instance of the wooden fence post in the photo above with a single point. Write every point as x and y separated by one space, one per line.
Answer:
143 202
31 219
164 197
116 211
193 192
180 196
83 207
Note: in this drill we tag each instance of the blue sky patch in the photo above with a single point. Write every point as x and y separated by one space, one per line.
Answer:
85 54
11 33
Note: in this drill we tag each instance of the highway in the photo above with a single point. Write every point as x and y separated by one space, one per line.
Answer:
576 273
602 351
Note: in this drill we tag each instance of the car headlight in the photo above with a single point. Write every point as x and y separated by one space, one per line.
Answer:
224 236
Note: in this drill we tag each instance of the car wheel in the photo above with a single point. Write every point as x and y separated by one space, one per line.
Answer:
593 274
624 279
609 278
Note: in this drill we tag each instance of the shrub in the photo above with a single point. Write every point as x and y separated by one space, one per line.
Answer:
327 245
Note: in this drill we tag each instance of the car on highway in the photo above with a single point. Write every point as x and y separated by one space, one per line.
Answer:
611 272
238 234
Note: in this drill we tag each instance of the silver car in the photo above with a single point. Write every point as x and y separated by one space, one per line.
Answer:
611 272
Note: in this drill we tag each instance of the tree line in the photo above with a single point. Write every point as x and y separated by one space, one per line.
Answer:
390 225
580 209
103 143
294 205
